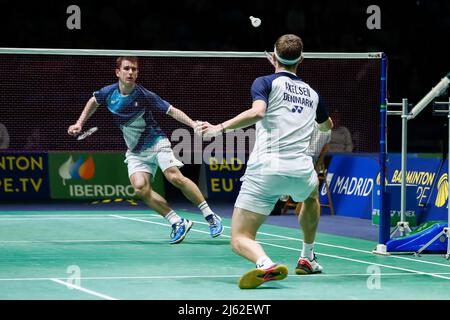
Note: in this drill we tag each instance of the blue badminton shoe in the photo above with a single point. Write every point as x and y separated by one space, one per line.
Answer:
215 225
180 230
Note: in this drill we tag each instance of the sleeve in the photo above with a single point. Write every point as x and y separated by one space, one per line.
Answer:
102 95
261 88
322 111
156 101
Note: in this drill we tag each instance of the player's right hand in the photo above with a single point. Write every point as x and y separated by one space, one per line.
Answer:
200 127
74 129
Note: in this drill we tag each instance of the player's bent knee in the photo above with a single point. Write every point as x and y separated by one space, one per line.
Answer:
141 189
177 180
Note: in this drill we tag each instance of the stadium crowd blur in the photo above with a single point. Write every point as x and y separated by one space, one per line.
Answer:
413 34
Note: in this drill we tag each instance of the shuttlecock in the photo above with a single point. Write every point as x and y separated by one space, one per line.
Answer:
256 22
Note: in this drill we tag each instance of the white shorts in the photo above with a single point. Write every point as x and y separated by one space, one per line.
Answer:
148 161
260 193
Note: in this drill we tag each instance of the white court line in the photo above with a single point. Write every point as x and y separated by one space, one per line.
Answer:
91 292
101 217
345 248
79 241
168 277
296 249
357 250
362 261
158 223
152 215
102 240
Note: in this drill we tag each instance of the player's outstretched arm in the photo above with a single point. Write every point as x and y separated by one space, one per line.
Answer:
182 117
248 117
242 120
88 111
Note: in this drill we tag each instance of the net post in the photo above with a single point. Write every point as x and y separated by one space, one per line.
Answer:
384 221
403 224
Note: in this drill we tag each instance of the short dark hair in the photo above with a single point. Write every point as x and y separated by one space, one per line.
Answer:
289 46
129 58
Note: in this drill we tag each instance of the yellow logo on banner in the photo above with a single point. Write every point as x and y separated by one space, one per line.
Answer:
442 195
378 179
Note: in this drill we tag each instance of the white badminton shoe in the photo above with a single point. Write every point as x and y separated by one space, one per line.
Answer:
307 266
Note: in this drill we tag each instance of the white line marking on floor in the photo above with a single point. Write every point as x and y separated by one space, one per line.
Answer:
60 218
91 292
156 216
361 261
296 249
80 241
321 275
345 248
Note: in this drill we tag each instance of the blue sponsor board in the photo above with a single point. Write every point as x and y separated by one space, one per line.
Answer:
421 172
24 176
351 180
421 175
393 202
222 177
437 206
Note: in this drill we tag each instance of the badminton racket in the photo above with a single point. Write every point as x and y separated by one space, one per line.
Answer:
269 57
87 133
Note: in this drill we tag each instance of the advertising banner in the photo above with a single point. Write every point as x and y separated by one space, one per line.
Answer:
351 180
23 176
437 206
421 176
223 178
92 176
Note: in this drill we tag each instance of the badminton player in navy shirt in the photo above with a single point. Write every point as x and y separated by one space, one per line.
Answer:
133 107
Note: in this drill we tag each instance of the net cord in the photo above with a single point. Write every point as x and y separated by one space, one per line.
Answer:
197 54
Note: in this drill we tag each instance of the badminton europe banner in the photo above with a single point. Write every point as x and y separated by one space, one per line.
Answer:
23 176
222 178
91 176
353 180
438 202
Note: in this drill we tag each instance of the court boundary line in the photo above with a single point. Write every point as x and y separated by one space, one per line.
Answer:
319 275
295 249
153 215
58 218
5 242
342 247
85 290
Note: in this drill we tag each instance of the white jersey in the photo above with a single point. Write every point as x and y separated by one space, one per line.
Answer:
283 135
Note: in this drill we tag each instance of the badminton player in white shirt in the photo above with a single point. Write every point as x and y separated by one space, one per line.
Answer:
285 110
133 107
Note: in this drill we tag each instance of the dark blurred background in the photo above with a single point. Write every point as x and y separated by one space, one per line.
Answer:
413 34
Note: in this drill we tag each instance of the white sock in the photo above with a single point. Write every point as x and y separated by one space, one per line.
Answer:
172 217
205 209
264 263
308 250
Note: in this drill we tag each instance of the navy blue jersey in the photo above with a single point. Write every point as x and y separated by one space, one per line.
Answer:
133 113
